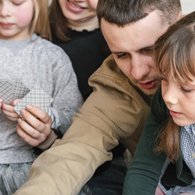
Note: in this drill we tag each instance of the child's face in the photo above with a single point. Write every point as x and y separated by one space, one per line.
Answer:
78 10
15 19
180 100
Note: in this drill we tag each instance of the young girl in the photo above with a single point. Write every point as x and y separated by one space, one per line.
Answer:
175 59
75 28
33 61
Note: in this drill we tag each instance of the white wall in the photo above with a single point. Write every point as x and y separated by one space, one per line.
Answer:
188 6
49 1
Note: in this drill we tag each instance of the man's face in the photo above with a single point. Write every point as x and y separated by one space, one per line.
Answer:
132 49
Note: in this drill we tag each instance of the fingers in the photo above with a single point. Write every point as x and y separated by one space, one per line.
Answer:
159 191
33 117
33 121
7 108
43 116
15 102
9 111
24 126
29 134
1 101
33 130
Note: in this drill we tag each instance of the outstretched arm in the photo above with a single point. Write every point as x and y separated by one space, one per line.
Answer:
109 114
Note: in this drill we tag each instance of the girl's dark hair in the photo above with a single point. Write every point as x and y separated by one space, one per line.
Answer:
58 23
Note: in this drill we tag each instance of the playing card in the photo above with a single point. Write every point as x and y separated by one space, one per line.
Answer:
6 91
36 97
11 90
20 90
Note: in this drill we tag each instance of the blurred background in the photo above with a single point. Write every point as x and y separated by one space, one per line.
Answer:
188 6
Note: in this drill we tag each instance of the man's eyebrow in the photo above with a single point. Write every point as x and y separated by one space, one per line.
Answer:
118 52
151 47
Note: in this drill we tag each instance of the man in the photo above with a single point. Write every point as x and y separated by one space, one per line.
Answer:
117 108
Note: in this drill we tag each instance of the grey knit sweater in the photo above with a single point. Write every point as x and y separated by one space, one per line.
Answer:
37 61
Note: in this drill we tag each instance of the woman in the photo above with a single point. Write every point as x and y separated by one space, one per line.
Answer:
75 29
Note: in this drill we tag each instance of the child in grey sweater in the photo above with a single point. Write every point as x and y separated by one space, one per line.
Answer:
34 61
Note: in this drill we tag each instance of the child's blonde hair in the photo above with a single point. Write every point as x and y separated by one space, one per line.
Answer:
40 21
175 57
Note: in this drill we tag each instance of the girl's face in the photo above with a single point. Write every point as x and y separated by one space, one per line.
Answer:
15 19
180 100
78 10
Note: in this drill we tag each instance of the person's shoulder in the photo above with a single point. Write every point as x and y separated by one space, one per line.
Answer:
54 54
109 68
47 46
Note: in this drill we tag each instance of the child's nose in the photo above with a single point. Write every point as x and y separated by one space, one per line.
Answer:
5 9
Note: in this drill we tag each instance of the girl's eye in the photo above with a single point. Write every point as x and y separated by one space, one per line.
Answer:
18 2
186 90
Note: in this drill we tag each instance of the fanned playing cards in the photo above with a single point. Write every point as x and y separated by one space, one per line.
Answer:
14 89
11 90
36 97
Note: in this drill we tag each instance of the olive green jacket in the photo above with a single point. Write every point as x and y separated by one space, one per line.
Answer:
115 111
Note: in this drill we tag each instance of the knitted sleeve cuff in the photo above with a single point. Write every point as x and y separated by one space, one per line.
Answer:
49 141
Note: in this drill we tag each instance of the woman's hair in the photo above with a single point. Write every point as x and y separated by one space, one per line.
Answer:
175 57
40 21
58 23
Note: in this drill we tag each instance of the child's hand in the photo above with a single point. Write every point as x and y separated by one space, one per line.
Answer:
8 110
34 126
159 191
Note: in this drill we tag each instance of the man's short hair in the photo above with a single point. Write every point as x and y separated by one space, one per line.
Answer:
122 12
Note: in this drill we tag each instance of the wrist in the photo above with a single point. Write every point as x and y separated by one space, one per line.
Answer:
49 140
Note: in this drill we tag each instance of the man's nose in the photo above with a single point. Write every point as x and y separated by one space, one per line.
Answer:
140 68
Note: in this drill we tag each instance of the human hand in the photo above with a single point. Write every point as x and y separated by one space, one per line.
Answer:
34 126
8 110
159 191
